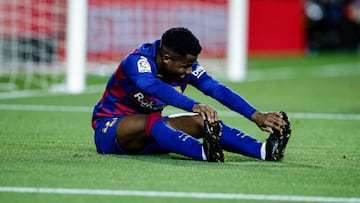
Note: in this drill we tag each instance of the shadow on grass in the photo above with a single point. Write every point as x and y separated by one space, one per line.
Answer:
232 161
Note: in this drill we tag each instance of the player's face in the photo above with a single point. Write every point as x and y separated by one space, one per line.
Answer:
173 66
177 67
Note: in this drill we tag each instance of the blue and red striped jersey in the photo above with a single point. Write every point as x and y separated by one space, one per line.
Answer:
136 88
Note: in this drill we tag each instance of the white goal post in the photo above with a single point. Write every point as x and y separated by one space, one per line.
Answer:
76 46
237 40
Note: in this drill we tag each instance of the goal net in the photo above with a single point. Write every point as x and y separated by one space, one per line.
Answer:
31 43
33 35
117 27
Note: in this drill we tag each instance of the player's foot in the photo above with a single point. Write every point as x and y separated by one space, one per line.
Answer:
211 142
276 142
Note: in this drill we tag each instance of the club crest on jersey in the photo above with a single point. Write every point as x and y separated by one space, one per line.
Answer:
143 65
198 71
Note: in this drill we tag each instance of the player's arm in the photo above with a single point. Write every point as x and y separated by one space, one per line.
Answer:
167 93
141 72
206 84
265 121
151 85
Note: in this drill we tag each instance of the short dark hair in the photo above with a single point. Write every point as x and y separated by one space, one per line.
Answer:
182 41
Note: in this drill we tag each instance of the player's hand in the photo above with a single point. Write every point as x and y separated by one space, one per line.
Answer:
268 121
206 112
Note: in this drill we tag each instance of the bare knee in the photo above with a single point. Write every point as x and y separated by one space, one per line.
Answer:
131 134
192 124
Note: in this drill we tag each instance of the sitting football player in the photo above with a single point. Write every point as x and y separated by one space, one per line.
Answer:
128 118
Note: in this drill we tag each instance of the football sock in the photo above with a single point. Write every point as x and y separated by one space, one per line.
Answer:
237 141
263 151
176 141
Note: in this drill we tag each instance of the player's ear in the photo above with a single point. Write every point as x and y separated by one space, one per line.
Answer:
166 58
165 54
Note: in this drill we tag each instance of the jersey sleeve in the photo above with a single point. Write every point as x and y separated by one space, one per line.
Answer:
143 73
206 84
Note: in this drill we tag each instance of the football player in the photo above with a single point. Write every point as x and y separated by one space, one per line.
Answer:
128 118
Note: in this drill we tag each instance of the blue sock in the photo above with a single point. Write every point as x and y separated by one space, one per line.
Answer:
176 141
236 141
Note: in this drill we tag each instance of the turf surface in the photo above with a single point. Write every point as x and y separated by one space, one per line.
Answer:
53 147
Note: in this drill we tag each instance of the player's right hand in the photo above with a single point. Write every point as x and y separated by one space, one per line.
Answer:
206 112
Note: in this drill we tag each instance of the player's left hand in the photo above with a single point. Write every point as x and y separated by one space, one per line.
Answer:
268 121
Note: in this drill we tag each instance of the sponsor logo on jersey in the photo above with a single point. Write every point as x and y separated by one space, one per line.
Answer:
146 103
198 71
143 65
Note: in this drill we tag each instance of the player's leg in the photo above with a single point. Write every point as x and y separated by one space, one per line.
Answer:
235 140
105 135
131 133
273 149
122 134
136 132
193 124
190 123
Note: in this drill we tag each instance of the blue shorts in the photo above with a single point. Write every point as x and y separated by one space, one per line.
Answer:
106 142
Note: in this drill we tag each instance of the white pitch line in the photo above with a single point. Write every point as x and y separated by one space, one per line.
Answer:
23 94
303 115
88 109
331 116
46 92
287 73
53 108
198 195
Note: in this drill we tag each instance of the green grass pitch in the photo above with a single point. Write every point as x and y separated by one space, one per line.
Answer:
47 142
